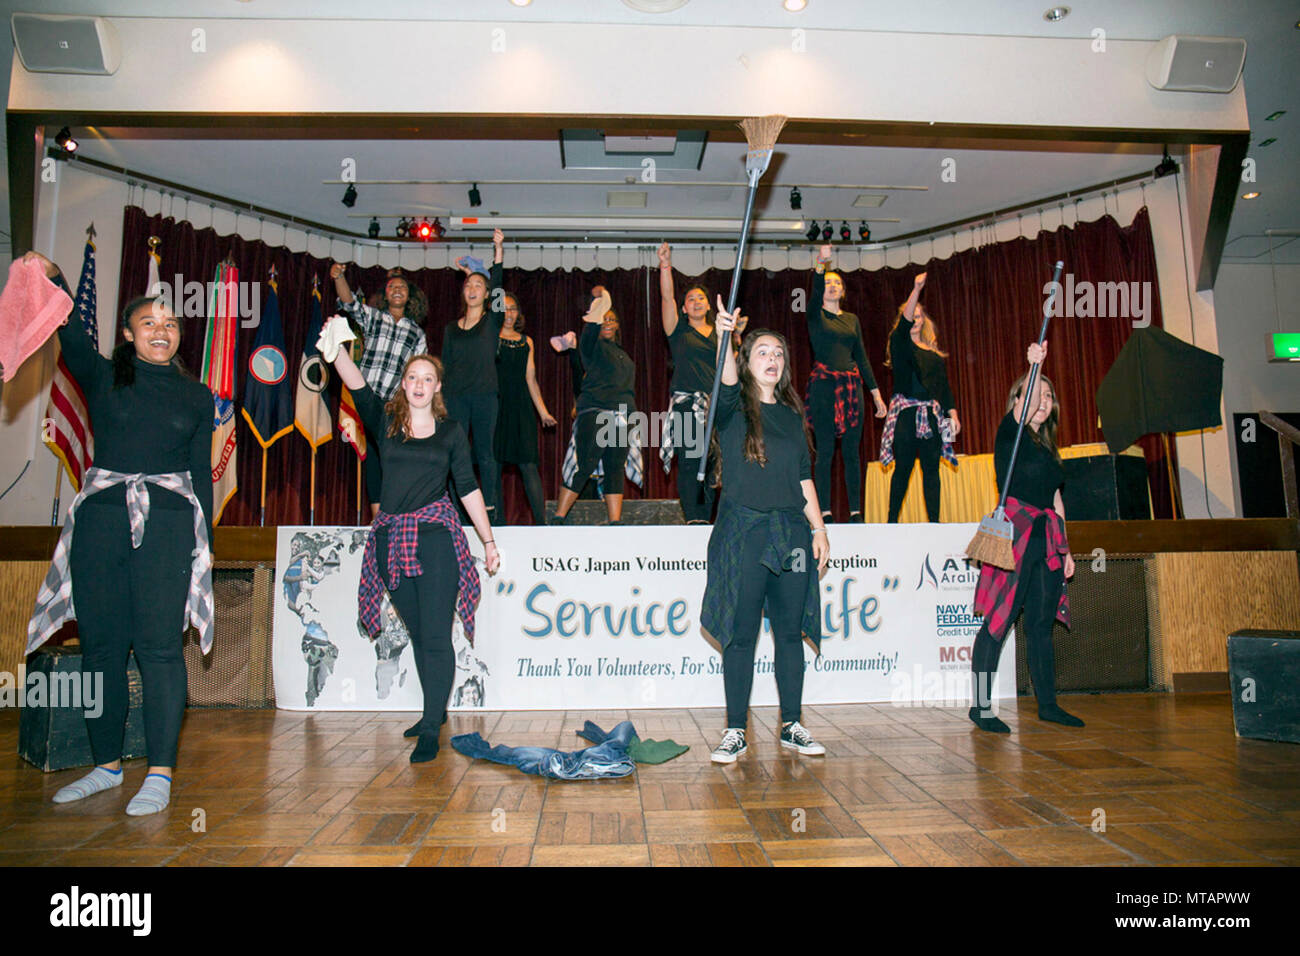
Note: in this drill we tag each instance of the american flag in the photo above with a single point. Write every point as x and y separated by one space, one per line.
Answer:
67 423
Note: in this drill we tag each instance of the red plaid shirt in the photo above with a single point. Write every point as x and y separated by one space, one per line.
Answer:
995 594
848 397
403 562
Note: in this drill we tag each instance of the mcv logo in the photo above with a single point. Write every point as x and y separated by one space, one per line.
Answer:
102 909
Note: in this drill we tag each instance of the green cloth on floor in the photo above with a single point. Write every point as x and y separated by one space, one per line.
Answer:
654 751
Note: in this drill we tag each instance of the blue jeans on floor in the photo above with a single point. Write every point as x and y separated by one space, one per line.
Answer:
608 759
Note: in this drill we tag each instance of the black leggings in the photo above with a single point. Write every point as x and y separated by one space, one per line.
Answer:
696 497
427 605
613 456
477 414
532 490
908 449
133 598
784 595
1038 592
821 406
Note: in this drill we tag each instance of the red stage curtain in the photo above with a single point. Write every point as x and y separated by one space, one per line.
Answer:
986 302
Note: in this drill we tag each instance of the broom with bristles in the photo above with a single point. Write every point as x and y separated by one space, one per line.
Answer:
994 541
760 133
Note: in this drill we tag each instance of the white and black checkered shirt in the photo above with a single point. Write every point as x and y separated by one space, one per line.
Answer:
389 343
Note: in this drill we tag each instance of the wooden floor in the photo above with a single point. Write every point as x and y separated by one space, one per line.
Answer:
898 787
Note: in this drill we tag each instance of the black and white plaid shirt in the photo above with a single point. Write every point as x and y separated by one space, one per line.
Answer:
389 343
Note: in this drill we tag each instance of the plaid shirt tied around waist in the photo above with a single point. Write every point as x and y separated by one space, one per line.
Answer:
404 562
54 601
995 594
633 469
848 396
923 430
668 440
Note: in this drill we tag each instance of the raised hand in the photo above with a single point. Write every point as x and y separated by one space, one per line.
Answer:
824 253
1037 354
665 256
336 270
920 279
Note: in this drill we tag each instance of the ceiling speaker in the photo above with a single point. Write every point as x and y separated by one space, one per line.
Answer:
1196 64
63 44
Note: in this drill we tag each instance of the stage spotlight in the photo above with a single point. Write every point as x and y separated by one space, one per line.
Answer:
423 231
65 141
403 228
373 230
814 231
439 230
845 233
350 196
863 232
475 199
796 199
1167 167
827 231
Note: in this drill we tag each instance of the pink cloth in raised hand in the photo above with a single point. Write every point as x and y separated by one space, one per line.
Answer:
31 308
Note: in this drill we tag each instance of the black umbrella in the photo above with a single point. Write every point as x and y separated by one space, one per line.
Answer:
1159 383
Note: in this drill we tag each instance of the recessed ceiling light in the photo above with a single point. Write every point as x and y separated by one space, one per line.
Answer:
1250 195
1274 116
794 6
1056 14
521 3
655 6
1268 142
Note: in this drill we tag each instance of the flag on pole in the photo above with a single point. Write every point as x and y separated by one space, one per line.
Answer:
219 375
67 430
311 414
354 432
268 405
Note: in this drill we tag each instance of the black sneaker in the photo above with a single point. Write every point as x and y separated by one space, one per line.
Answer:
795 737
559 519
732 746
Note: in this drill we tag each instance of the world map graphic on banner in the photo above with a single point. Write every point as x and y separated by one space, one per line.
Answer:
605 618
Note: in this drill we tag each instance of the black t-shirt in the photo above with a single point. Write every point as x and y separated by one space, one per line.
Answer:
918 373
469 355
161 423
1038 474
694 358
611 373
769 487
837 338
416 469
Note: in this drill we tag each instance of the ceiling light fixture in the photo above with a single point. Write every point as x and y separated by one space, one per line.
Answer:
403 228
845 232
520 3
827 231
1267 119
373 228
349 196
864 233
814 231
475 198
1167 167
64 139
796 198
1267 142
794 6
423 231
1056 14
1250 195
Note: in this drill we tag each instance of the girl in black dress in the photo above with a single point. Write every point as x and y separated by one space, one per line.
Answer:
139 557
607 394
469 357
839 375
521 407
1043 560
922 422
769 542
416 548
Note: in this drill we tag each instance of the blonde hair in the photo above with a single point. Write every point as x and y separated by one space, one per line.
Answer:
929 336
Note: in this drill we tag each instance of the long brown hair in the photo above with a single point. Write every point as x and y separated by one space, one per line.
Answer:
1046 433
751 402
929 334
399 410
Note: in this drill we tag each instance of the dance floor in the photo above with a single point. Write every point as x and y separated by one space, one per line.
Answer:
1152 780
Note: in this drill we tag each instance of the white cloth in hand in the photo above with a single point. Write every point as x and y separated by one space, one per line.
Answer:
599 306
332 336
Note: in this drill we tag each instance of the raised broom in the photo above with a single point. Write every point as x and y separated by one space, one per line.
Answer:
993 542
760 133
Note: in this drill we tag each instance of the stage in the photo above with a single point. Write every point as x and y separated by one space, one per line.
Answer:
1154 779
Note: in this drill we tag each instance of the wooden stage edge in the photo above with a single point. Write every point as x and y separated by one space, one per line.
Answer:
36 543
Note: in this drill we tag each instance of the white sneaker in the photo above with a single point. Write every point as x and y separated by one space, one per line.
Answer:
732 746
795 737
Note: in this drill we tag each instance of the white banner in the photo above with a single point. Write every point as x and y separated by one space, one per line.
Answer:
608 618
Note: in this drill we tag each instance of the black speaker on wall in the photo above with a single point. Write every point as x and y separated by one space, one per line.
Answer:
1106 488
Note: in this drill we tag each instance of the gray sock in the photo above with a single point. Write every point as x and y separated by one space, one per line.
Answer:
99 779
154 795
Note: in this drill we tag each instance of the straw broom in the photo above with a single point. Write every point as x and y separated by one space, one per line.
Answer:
760 134
993 542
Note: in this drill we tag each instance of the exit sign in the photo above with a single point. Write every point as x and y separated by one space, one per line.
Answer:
1286 347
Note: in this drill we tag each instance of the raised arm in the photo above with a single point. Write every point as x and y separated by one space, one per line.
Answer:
667 295
80 354
496 296
910 308
818 283
341 284
727 323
